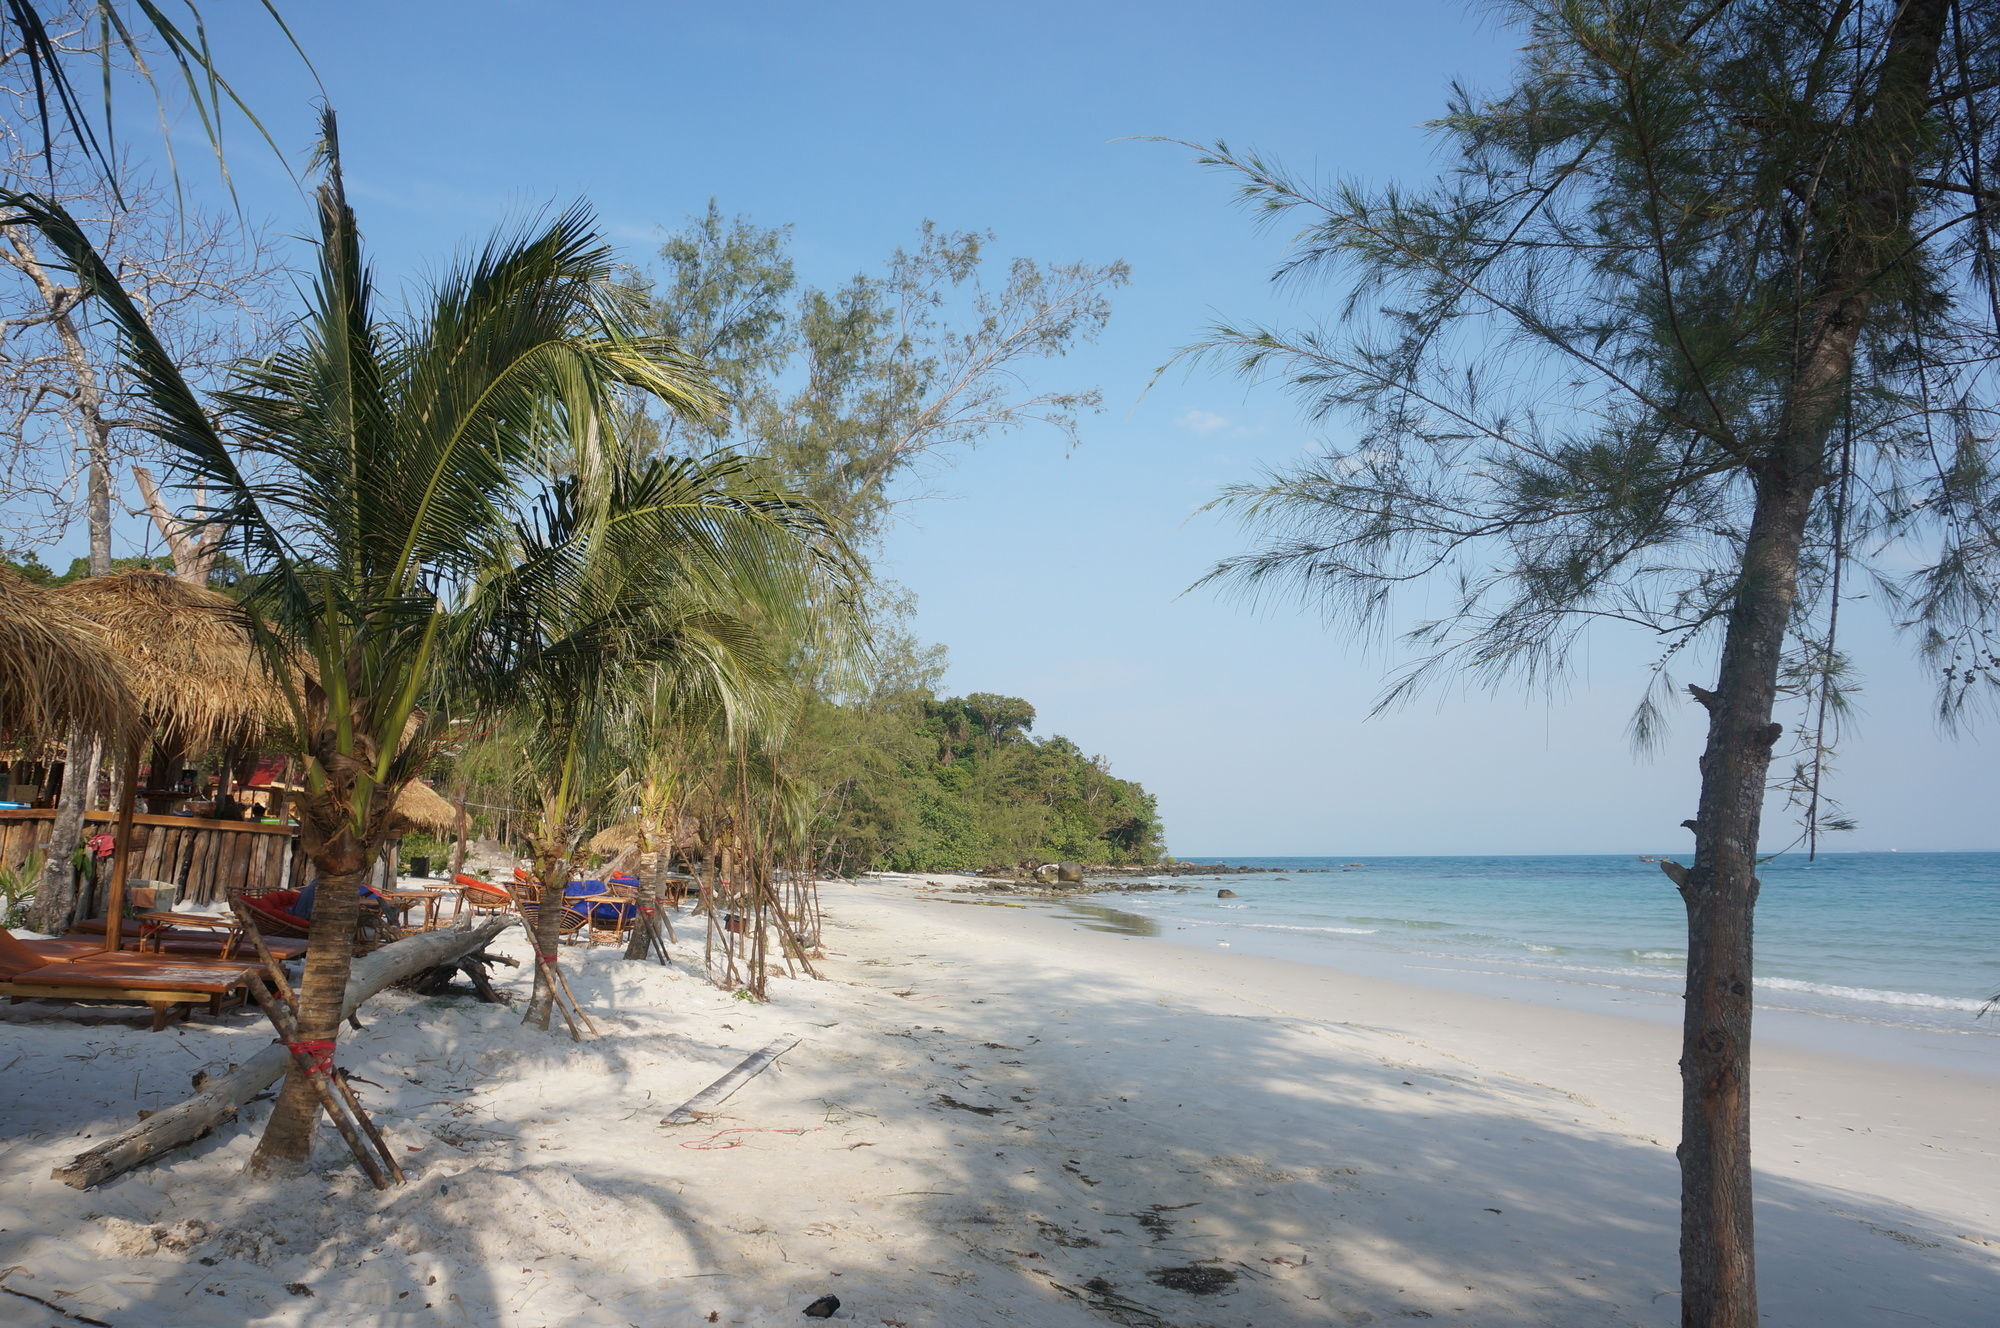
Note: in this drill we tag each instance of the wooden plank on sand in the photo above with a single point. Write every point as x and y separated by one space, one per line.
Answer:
713 1096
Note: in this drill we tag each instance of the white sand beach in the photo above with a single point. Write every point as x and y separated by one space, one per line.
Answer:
992 1117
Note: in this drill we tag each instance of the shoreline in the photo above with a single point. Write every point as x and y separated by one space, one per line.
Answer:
1801 1001
1893 1152
1970 1051
993 1118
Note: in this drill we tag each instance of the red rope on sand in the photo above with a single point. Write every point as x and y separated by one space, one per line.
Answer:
709 1145
321 1052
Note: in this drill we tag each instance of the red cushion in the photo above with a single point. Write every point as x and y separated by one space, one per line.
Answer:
264 908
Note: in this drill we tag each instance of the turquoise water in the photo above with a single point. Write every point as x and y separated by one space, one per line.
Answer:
1900 939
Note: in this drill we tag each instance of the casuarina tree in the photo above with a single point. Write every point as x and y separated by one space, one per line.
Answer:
1698 320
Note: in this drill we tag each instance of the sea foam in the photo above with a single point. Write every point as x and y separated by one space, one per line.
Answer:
1876 996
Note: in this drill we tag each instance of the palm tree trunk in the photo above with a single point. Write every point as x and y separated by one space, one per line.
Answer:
652 869
552 870
342 863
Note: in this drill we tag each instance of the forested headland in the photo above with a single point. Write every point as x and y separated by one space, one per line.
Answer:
935 783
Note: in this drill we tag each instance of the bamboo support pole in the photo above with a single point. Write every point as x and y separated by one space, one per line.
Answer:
121 865
222 1096
281 1019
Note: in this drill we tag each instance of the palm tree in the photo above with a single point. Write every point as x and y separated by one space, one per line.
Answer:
376 478
669 603
44 40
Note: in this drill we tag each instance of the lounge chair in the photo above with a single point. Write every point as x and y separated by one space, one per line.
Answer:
483 896
28 972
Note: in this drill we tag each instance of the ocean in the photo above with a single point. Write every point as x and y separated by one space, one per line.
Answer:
1902 942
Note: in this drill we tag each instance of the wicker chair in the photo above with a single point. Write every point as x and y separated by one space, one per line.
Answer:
528 903
567 926
483 897
613 922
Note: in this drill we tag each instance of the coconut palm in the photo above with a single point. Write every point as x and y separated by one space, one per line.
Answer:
670 603
377 478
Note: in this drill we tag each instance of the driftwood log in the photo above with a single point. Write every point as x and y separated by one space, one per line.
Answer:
711 1097
437 980
221 1096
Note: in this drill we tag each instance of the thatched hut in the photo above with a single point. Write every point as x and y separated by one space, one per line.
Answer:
419 808
186 654
196 674
57 670
615 839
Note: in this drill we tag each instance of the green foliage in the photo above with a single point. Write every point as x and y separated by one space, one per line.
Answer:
30 566
845 389
421 845
956 782
17 890
1650 294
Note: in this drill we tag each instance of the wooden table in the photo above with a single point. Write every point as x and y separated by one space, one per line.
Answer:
404 900
232 928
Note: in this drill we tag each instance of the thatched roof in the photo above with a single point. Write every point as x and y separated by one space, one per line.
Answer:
56 669
628 836
186 655
618 837
418 807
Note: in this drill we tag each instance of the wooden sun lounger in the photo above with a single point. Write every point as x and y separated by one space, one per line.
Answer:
28 971
62 947
163 986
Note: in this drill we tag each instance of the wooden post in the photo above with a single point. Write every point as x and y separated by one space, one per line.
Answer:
128 796
458 848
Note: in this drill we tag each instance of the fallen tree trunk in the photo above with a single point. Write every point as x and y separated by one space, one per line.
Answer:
221 1096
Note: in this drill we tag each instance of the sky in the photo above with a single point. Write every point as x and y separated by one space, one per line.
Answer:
1060 575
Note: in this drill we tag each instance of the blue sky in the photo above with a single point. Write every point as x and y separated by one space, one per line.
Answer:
1058 575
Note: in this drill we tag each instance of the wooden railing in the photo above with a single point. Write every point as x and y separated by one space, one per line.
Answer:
207 859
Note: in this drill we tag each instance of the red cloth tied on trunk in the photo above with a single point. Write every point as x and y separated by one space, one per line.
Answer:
321 1052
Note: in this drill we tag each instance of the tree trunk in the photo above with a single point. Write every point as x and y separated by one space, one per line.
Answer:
219 1098
342 863
1718 1268
1862 233
55 903
194 554
652 869
458 841
55 897
552 871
